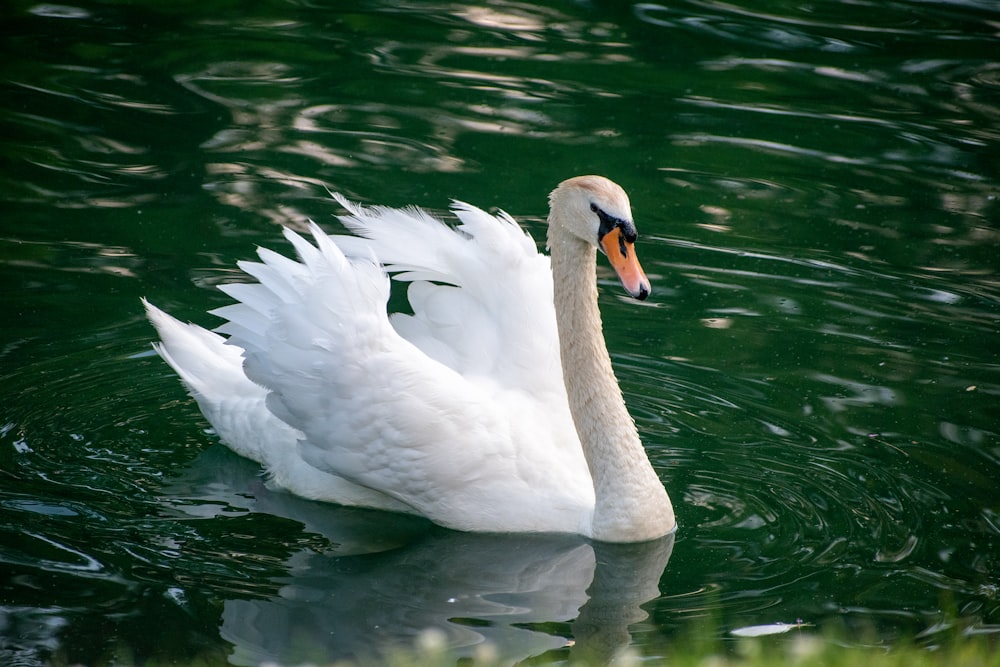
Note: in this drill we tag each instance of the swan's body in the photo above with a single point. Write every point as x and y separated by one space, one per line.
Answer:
458 412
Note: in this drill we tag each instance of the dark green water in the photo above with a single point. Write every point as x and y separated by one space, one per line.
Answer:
816 375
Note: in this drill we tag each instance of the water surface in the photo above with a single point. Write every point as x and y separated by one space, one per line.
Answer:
815 377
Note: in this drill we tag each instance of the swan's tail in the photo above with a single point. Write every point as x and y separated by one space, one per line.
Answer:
212 370
213 373
208 367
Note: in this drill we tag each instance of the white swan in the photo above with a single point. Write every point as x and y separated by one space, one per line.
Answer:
486 409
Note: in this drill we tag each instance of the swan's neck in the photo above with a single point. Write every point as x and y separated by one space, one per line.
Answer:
631 503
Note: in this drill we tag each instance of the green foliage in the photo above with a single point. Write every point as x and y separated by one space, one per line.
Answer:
805 649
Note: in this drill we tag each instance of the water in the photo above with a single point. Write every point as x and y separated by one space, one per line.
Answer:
815 376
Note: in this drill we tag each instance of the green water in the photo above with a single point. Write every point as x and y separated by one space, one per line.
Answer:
815 377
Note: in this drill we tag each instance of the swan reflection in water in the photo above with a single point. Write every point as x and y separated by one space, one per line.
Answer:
387 578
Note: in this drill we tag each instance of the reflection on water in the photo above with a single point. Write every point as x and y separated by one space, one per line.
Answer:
387 578
478 590
815 375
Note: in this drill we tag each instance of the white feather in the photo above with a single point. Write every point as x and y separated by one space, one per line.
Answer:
457 412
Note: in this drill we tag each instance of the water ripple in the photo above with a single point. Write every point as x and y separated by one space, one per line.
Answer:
812 376
810 29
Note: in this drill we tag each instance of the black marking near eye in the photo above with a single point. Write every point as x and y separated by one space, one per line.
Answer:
609 222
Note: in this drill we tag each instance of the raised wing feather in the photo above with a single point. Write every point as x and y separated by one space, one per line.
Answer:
481 294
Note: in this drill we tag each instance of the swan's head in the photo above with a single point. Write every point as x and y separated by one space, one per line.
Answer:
597 211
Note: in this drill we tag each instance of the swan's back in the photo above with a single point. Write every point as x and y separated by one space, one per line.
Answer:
457 411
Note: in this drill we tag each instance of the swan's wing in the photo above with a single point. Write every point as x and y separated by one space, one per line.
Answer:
481 293
378 412
236 407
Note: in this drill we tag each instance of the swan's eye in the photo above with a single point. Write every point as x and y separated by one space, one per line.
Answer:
609 222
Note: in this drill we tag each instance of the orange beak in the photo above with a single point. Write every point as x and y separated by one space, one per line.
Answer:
621 254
